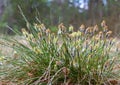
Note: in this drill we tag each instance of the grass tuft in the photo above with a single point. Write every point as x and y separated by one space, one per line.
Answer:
66 57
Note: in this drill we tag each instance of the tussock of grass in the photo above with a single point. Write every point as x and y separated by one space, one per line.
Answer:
66 57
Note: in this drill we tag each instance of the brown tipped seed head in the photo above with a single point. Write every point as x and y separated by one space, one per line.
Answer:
105 28
111 39
87 30
82 28
103 23
62 27
95 29
108 34
100 34
91 29
48 31
39 35
96 39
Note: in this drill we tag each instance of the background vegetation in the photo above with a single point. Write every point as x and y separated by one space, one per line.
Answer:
53 12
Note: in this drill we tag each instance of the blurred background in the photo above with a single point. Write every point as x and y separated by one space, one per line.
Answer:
53 12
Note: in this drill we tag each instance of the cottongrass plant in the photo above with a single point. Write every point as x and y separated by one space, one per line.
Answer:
68 57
